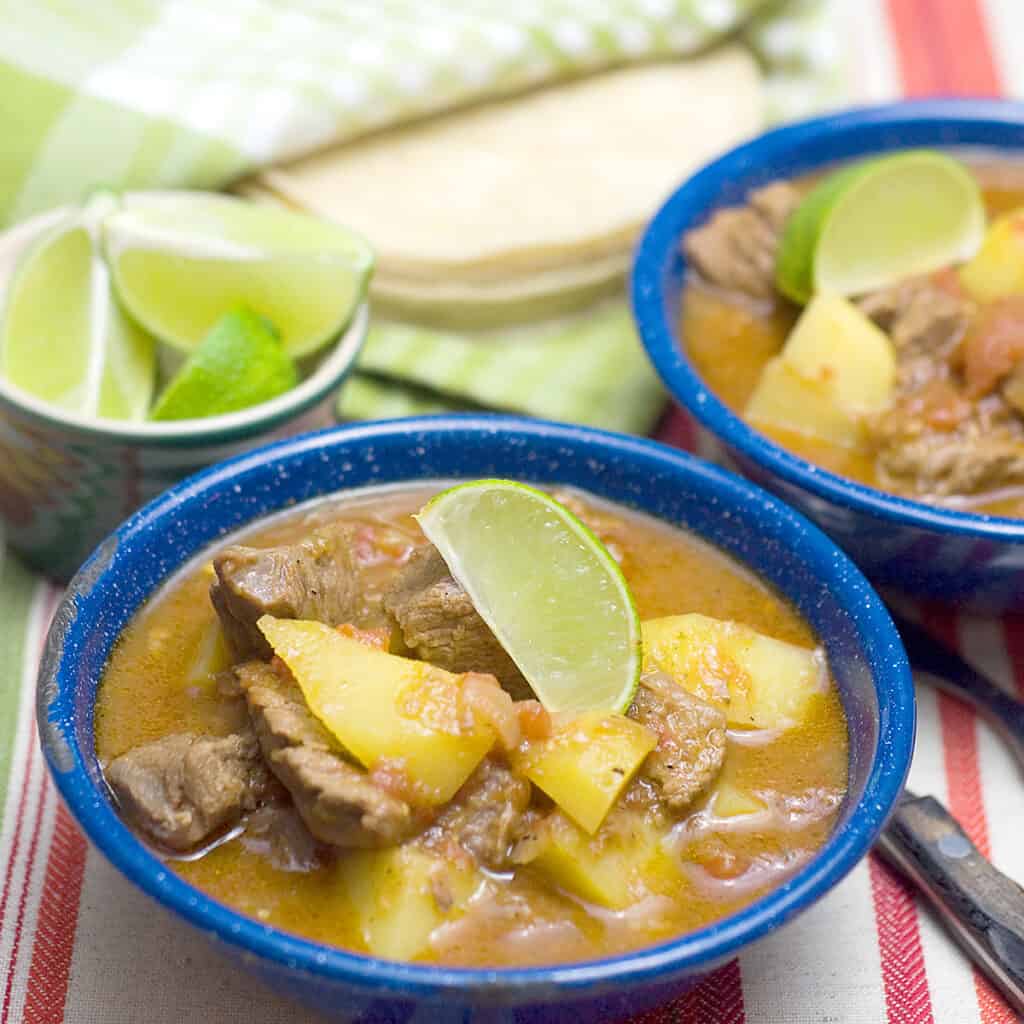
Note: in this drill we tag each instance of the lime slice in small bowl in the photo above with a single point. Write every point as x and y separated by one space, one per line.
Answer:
547 587
879 221
240 363
63 337
179 260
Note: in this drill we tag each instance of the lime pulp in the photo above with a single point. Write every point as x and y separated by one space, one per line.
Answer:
547 587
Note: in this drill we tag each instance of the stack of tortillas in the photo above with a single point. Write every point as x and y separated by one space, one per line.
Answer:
528 207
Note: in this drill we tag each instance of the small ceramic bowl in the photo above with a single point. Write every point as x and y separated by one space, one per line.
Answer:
864 652
67 481
971 560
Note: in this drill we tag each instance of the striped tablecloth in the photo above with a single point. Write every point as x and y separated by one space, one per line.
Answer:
79 945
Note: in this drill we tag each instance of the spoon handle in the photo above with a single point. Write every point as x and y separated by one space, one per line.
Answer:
980 906
948 671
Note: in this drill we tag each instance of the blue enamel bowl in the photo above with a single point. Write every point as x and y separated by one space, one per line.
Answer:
970 560
864 650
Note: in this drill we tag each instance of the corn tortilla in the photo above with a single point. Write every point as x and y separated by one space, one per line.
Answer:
518 190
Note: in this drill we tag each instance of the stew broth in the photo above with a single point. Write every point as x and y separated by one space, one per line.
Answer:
152 688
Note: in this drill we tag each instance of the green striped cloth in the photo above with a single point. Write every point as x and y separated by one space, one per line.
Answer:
408 369
166 93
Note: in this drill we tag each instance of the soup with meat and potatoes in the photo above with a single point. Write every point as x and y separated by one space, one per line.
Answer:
502 834
915 386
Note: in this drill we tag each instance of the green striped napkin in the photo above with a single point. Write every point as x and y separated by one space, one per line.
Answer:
167 93
588 368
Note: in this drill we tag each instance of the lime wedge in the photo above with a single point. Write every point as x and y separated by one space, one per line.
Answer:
63 338
240 363
547 587
878 221
179 260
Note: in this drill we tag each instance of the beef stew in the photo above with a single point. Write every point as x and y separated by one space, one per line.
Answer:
946 423
239 781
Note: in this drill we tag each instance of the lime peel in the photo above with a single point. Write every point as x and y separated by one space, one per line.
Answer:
178 260
80 354
547 587
239 364
878 221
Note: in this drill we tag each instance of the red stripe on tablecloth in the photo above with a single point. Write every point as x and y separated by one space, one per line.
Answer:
25 787
50 606
915 54
718 999
58 919
16 840
943 47
968 60
904 979
20 920
958 726
677 429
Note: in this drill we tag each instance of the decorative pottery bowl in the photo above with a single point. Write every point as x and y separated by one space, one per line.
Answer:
971 560
66 481
780 546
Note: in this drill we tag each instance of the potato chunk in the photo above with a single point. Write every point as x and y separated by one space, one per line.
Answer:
997 269
835 368
211 655
381 707
758 681
586 764
613 869
730 801
400 895
783 399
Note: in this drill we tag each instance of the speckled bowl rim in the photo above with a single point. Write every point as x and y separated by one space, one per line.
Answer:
696 951
657 258
339 358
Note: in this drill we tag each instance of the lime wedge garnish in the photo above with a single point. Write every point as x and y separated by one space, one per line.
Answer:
63 338
240 363
180 260
878 221
547 587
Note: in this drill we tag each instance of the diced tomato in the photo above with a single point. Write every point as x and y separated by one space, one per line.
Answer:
534 721
994 345
390 775
378 638
948 280
939 403
485 700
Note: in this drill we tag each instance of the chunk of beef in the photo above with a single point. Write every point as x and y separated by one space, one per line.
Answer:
337 800
737 248
983 453
947 430
440 625
182 789
277 833
313 579
923 319
487 816
691 740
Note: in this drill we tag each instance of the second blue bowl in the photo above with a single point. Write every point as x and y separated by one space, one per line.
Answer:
970 560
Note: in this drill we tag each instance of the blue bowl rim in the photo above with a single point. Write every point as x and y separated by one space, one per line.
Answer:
695 951
657 326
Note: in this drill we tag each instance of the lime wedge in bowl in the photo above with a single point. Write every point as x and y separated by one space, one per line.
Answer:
548 589
63 338
180 260
878 221
240 363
